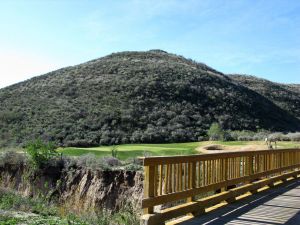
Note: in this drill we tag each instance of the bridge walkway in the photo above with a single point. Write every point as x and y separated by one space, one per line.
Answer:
276 206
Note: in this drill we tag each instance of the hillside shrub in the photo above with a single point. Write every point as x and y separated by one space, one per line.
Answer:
277 136
215 132
51 213
245 135
293 136
261 135
227 136
11 157
40 153
133 164
111 161
92 162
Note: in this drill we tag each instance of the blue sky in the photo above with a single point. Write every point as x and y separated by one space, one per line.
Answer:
257 37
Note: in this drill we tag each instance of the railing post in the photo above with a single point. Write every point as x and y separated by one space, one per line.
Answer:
192 179
225 168
149 218
250 165
149 186
192 185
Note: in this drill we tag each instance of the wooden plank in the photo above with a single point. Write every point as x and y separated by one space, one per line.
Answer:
149 186
160 179
171 181
180 177
155 185
209 156
177 177
192 179
167 179
185 176
199 174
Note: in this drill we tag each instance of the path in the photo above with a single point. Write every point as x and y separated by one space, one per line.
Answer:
280 205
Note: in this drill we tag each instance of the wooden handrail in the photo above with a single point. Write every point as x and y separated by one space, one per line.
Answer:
184 178
193 158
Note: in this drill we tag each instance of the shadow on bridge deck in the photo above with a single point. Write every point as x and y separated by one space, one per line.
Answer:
280 205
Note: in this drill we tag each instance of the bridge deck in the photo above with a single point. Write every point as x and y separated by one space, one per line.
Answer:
280 205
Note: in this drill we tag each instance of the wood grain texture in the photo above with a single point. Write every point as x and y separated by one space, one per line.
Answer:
186 177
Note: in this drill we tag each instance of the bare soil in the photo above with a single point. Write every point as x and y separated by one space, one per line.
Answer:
216 148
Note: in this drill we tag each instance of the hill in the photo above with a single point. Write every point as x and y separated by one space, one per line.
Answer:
133 97
295 87
286 96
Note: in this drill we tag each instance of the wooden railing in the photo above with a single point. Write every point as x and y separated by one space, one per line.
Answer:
184 180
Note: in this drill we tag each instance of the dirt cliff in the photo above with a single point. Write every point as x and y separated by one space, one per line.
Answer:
74 187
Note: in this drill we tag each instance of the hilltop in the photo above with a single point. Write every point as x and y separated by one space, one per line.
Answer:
135 97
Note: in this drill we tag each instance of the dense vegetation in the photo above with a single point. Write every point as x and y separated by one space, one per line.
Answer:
133 97
106 162
284 95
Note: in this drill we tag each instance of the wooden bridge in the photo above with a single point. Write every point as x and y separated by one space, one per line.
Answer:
183 187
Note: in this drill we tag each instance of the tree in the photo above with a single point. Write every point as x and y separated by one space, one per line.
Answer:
40 153
215 132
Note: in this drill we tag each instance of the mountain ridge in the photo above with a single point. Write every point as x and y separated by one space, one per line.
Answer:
286 96
133 97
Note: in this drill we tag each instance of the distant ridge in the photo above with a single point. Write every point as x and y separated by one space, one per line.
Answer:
139 97
286 96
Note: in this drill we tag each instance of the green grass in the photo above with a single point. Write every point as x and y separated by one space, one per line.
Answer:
138 150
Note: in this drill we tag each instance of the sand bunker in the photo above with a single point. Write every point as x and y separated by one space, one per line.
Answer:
216 148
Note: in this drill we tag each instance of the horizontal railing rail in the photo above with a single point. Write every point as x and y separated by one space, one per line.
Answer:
184 178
